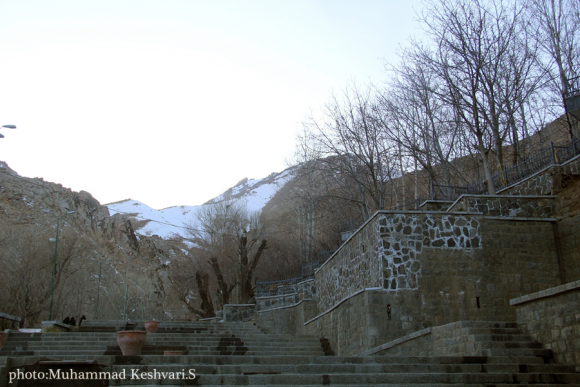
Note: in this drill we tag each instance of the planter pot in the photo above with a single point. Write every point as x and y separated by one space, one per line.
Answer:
131 342
151 326
3 337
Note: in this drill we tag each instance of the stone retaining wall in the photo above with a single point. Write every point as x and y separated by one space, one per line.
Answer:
353 267
239 312
287 319
507 206
552 317
455 283
304 290
384 252
542 183
568 230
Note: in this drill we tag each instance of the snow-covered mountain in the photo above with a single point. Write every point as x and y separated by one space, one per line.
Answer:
172 222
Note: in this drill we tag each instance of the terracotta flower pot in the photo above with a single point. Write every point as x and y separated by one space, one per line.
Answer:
3 337
151 326
131 342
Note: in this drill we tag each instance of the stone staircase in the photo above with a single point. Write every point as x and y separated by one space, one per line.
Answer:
232 354
482 338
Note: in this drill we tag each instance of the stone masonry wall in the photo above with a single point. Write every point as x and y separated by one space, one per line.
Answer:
264 303
539 184
508 206
383 254
543 183
304 290
353 267
568 230
552 317
239 312
288 319
403 237
511 259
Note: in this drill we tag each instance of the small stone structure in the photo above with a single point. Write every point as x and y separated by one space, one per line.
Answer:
9 322
239 312
55 326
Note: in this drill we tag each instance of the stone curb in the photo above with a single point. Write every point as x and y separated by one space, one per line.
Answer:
396 342
546 293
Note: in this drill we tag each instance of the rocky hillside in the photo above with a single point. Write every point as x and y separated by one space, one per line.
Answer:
91 240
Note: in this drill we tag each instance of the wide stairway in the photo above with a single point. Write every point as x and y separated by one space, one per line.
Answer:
234 354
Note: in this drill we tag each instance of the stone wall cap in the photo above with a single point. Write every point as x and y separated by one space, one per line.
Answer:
285 306
521 218
9 317
277 295
509 196
67 326
239 305
393 343
550 292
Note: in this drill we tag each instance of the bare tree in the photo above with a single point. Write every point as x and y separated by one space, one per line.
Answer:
419 121
228 236
356 160
487 68
26 271
556 27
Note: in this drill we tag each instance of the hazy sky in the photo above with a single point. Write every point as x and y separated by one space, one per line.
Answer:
172 102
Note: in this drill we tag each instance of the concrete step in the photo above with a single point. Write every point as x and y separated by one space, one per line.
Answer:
501 337
154 336
507 344
228 351
189 344
352 379
489 324
495 331
384 385
353 368
544 353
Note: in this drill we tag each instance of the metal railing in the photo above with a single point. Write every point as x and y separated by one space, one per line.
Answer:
287 286
573 87
550 155
270 288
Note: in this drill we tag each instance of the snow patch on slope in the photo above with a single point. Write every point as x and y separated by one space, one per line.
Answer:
172 222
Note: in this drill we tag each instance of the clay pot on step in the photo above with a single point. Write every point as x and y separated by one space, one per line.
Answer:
3 337
131 342
151 326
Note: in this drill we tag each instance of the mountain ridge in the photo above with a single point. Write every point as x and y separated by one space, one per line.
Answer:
173 222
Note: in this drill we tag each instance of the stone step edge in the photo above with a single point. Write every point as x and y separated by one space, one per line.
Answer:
345 379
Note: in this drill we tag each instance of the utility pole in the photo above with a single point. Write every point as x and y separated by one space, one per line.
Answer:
98 291
53 271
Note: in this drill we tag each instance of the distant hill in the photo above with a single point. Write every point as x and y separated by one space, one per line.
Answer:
171 222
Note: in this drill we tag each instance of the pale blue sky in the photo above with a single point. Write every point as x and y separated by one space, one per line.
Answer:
171 102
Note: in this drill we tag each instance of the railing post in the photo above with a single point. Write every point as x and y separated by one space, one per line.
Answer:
432 190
